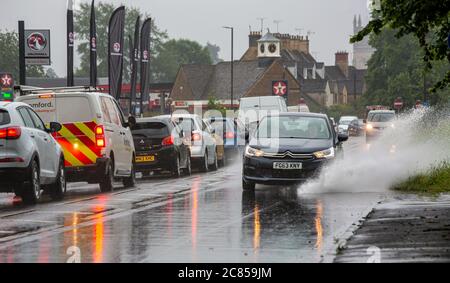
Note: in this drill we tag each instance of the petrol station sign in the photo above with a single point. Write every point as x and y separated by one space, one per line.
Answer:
6 87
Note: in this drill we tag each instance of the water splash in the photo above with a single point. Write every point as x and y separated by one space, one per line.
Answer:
415 142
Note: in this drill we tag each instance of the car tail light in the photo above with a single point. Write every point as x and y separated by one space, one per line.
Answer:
229 135
11 160
196 137
11 133
168 141
100 140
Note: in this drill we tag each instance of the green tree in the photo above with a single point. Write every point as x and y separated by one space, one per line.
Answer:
426 20
175 53
397 69
9 57
103 14
214 52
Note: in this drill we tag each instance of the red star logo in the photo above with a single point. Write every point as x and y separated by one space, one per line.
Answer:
280 88
6 80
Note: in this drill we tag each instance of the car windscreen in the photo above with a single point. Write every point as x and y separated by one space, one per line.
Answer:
222 126
4 117
345 122
381 117
187 124
294 127
151 130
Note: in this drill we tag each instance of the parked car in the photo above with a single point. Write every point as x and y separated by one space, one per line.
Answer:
377 122
232 133
356 128
220 144
95 137
289 148
161 146
201 141
30 159
344 122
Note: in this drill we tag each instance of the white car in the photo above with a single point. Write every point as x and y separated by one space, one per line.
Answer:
95 137
30 159
202 143
344 122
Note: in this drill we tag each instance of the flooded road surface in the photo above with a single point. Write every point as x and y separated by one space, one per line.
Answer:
201 218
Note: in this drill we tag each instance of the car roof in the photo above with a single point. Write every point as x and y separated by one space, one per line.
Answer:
62 93
9 104
382 111
153 119
299 114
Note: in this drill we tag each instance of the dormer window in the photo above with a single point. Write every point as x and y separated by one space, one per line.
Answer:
272 48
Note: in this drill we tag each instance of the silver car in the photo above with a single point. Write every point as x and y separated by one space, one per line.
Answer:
202 144
30 159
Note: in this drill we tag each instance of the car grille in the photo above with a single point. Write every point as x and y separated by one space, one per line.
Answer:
286 174
289 155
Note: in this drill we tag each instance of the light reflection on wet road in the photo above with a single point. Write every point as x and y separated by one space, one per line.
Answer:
202 218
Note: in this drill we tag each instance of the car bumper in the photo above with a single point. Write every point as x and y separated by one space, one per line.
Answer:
164 160
260 170
11 177
88 173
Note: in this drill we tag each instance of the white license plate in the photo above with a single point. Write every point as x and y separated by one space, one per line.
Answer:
287 165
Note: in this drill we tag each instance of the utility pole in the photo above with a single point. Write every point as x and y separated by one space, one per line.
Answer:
22 66
232 65
262 24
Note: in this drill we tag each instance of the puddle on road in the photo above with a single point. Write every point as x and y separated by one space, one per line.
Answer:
413 144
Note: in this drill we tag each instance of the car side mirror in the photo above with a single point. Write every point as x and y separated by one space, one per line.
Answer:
342 137
54 127
131 121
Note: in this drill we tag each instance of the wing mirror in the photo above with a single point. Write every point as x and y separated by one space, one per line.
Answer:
131 121
342 137
54 127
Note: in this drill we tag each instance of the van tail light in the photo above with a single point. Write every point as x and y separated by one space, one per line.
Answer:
100 140
12 133
168 141
229 135
196 137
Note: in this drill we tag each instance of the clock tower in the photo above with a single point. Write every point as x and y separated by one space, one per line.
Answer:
268 49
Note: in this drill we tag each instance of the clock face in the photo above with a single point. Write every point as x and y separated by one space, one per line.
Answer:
262 48
272 48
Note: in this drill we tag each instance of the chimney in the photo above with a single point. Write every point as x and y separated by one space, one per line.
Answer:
342 61
253 38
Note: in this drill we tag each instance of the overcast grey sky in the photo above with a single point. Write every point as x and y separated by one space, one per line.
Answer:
202 20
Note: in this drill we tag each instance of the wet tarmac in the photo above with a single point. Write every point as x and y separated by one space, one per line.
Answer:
201 218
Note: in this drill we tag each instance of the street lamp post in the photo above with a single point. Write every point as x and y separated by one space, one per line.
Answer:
232 65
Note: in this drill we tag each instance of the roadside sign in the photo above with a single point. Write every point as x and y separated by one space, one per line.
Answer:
280 88
6 87
398 103
37 47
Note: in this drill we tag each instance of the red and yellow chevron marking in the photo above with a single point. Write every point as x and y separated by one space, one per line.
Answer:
78 143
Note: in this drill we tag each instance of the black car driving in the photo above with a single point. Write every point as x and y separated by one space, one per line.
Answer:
289 148
160 146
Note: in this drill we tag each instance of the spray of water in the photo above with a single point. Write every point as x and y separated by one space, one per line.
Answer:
414 143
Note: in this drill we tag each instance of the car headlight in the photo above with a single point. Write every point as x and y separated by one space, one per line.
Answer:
369 127
249 151
325 154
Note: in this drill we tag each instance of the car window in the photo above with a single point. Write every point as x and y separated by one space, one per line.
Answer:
113 113
381 117
205 127
105 111
294 127
151 129
38 124
119 111
187 124
28 122
4 117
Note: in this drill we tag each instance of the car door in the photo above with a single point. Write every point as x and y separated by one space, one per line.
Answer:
51 157
40 143
126 136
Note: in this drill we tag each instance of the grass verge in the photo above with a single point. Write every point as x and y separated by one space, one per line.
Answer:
435 181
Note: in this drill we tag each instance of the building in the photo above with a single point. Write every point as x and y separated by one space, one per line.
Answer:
362 51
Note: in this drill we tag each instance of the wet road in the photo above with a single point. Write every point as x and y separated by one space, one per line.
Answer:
201 218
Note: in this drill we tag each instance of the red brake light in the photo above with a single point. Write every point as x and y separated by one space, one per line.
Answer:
168 141
196 137
100 140
229 135
12 133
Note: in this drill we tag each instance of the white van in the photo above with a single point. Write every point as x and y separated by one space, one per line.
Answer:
253 109
95 137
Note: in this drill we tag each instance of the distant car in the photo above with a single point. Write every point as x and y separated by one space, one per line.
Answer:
232 132
356 128
289 148
202 143
30 159
160 146
344 122
95 137
377 122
